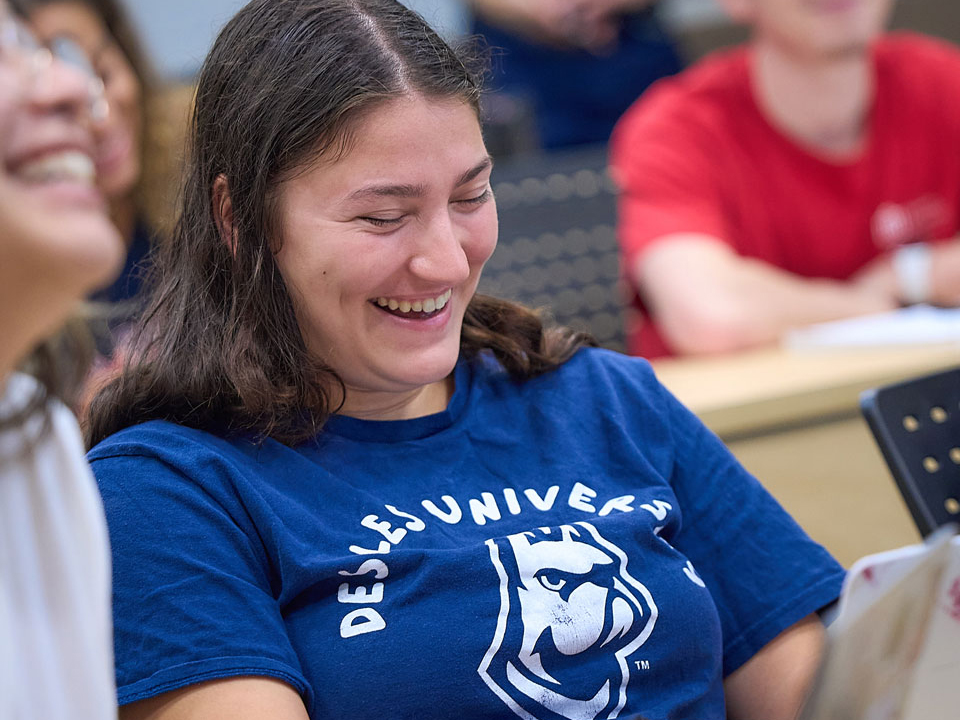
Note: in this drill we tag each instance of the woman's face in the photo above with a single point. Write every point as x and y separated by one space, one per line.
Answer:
118 135
55 230
382 249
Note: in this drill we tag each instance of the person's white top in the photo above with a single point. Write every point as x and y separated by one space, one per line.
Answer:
56 642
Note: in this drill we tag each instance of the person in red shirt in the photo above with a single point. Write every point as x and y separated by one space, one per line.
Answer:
811 175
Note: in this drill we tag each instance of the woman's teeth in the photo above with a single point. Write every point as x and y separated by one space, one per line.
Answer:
71 165
404 306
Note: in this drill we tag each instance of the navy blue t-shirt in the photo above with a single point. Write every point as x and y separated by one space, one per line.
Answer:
574 546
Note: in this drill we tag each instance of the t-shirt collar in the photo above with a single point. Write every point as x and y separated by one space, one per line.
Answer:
387 431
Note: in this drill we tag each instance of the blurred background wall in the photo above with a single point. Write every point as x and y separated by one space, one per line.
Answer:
179 32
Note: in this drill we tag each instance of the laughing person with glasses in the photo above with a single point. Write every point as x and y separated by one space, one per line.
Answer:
56 245
135 143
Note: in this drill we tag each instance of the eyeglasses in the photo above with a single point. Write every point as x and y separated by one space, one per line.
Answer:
20 48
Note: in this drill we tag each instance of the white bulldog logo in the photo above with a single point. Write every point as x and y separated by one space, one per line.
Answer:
570 615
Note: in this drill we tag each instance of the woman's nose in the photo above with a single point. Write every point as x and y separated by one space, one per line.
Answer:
62 88
439 255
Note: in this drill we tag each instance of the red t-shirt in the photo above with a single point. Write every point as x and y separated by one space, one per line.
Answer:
696 155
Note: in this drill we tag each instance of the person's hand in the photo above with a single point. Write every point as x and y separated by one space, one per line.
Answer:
541 20
611 7
598 21
945 273
584 24
878 276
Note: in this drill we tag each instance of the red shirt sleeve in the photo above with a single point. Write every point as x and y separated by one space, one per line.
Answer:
664 159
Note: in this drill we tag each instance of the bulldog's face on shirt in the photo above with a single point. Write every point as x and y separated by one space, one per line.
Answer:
572 614
570 600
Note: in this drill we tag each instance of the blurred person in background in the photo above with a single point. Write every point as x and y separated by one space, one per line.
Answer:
811 175
576 64
124 159
57 244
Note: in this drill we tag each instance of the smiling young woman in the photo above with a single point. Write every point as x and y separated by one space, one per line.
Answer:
341 484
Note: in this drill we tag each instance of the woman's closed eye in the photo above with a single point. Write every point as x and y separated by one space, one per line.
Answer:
382 221
480 199
468 203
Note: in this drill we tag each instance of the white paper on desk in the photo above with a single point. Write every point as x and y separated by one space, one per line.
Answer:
915 325
893 652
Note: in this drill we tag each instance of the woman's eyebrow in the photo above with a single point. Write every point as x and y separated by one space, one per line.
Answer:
414 191
470 174
376 191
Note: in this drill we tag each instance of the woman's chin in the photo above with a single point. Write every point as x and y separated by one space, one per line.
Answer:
118 185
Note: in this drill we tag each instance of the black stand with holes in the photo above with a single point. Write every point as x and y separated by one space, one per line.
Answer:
916 423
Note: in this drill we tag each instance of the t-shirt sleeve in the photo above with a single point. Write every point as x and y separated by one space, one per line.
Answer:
192 587
665 164
762 569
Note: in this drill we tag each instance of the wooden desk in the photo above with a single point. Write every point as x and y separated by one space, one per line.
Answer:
793 420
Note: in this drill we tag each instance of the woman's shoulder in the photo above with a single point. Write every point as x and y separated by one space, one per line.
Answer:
17 392
157 460
608 370
161 439
17 387
51 422
592 375
610 359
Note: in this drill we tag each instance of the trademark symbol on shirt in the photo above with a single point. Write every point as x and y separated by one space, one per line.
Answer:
642 664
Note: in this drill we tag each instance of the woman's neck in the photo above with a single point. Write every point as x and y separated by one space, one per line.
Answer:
821 104
123 213
373 405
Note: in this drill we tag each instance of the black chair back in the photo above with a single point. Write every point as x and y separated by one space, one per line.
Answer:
558 249
917 426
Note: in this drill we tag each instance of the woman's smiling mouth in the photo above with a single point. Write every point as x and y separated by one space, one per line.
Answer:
414 309
58 166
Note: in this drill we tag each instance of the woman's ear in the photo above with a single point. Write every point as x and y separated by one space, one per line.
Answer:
223 212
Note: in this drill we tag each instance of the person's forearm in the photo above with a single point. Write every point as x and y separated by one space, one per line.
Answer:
774 301
773 683
510 13
525 17
707 300
621 6
560 23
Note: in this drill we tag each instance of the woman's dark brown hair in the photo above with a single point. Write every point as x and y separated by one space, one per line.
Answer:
219 347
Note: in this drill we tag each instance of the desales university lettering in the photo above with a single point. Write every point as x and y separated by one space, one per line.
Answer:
486 508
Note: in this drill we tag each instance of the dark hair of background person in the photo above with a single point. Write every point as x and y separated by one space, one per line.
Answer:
219 346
